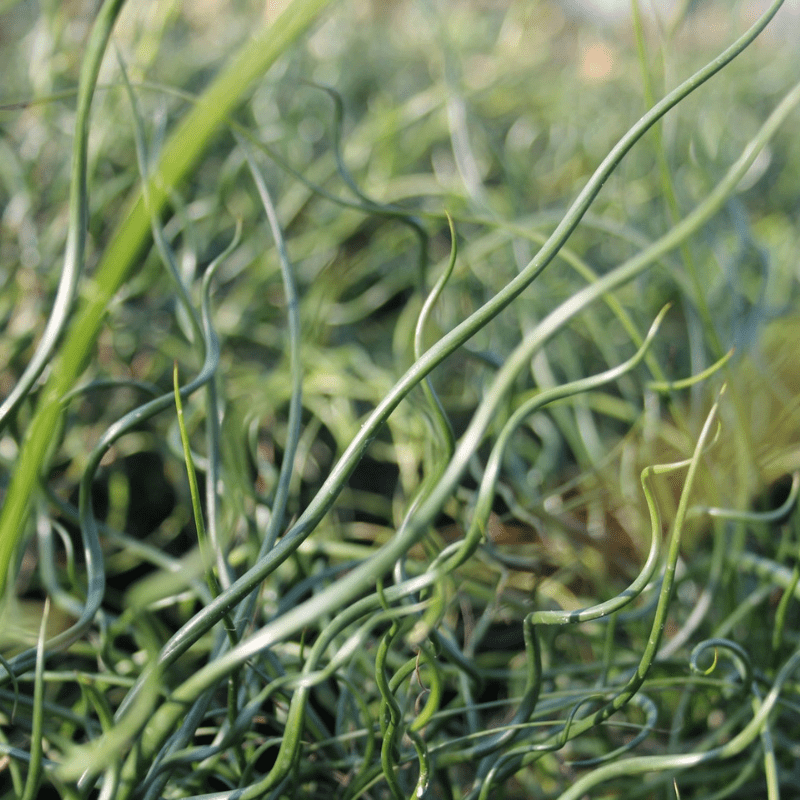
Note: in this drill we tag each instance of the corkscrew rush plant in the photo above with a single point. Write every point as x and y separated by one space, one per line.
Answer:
345 589
385 588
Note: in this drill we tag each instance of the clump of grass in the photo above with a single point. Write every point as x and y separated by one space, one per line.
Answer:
485 504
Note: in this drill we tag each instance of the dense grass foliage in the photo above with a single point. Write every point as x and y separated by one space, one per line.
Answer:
398 400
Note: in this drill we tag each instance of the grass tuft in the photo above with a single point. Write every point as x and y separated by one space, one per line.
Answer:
483 479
